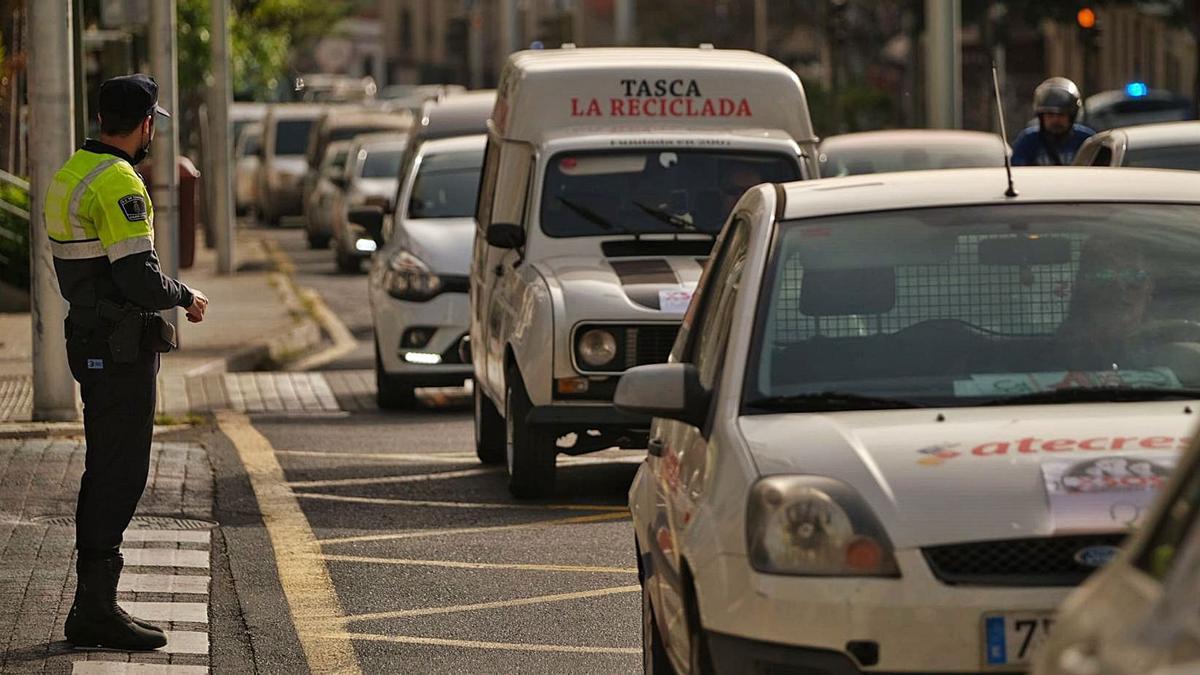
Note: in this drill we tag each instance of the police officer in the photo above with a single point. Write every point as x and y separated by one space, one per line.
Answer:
101 227
1056 138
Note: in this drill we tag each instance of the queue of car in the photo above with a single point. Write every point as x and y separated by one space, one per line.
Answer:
894 422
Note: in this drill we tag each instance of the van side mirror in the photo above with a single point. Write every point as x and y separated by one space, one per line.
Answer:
505 235
667 390
369 218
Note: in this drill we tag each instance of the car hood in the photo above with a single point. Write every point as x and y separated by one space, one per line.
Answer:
292 165
980 473
376 187
662 285
444 244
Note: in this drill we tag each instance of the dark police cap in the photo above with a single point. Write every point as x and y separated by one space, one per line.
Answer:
130 96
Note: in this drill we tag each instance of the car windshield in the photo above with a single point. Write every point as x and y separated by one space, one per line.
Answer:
980 305
446 185
655 191
899 157
291 136
381 163
1171 157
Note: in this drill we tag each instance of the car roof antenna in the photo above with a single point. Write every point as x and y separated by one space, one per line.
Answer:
1011 191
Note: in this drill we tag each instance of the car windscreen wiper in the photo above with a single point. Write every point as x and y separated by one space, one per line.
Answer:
1096 395
590 215
678 222
829 400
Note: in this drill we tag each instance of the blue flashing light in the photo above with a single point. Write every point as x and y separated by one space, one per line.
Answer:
1136 89
537 44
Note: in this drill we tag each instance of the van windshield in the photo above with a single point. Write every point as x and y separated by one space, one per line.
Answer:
291 136
446 185
651 191
981 305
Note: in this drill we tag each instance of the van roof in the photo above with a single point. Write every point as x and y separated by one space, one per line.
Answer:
624 89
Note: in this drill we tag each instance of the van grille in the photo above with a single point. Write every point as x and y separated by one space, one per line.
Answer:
1042 561
651 344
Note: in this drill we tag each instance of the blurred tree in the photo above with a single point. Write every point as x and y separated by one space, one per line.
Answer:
263 34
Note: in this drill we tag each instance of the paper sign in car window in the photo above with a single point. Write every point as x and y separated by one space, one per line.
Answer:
1015 384
1103 494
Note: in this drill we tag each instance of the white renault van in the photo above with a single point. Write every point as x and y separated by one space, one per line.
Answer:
608 174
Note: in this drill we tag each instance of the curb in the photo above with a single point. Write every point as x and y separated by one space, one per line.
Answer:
277 352
296 351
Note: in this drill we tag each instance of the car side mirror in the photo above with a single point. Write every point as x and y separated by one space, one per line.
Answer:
505 235
667 390
369 218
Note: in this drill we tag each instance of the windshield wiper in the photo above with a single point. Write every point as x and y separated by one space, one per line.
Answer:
829 400
1096 395
590 215
662 215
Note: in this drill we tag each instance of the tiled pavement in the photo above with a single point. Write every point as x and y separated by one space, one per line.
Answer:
260 392
167 551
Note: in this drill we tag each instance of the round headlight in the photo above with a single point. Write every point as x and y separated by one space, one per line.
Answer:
597 347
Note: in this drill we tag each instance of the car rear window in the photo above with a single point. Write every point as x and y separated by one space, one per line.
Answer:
291 136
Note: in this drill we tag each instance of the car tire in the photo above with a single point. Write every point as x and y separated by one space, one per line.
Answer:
654 653
530 451
490 439
318 241
390 393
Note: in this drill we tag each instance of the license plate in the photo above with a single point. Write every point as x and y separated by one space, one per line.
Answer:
1009 638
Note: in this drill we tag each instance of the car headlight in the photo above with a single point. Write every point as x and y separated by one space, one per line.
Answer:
597 347
408 278
815 526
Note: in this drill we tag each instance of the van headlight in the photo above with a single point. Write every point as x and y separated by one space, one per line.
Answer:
815 526
596 347
408 278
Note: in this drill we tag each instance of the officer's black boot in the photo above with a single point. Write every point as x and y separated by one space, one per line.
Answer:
97 621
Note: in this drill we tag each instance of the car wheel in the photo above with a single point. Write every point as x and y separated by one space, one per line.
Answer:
318 241
530 451
391 394
490 440
654 653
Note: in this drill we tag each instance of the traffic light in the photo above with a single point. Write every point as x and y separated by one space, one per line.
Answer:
1089 27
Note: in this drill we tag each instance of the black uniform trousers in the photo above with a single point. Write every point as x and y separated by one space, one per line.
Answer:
118 423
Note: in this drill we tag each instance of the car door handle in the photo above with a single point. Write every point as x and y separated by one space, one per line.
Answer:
655 447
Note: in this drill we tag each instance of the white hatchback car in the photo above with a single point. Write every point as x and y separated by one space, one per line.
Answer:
418 281
906 414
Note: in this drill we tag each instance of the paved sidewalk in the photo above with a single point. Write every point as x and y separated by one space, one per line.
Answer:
166 552
255 320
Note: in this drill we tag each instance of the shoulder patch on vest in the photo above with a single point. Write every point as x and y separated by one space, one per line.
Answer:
133 206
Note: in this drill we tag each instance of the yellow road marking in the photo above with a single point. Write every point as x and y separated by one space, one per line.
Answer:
333 557
306 584
436 458
498 604
599 517
458 505
476 644
384 480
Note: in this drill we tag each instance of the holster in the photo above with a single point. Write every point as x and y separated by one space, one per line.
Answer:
134 329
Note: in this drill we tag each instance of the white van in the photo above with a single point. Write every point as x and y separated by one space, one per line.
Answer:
607 175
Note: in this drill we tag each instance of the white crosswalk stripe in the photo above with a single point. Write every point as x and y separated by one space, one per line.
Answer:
164 583
191 612
121 668
165 557
182 536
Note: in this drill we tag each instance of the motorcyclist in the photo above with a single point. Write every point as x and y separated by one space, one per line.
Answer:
1056 137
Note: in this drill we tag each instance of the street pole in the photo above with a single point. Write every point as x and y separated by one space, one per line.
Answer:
760 26
475 43
52 133
943 64
623 21
221 95
164 179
